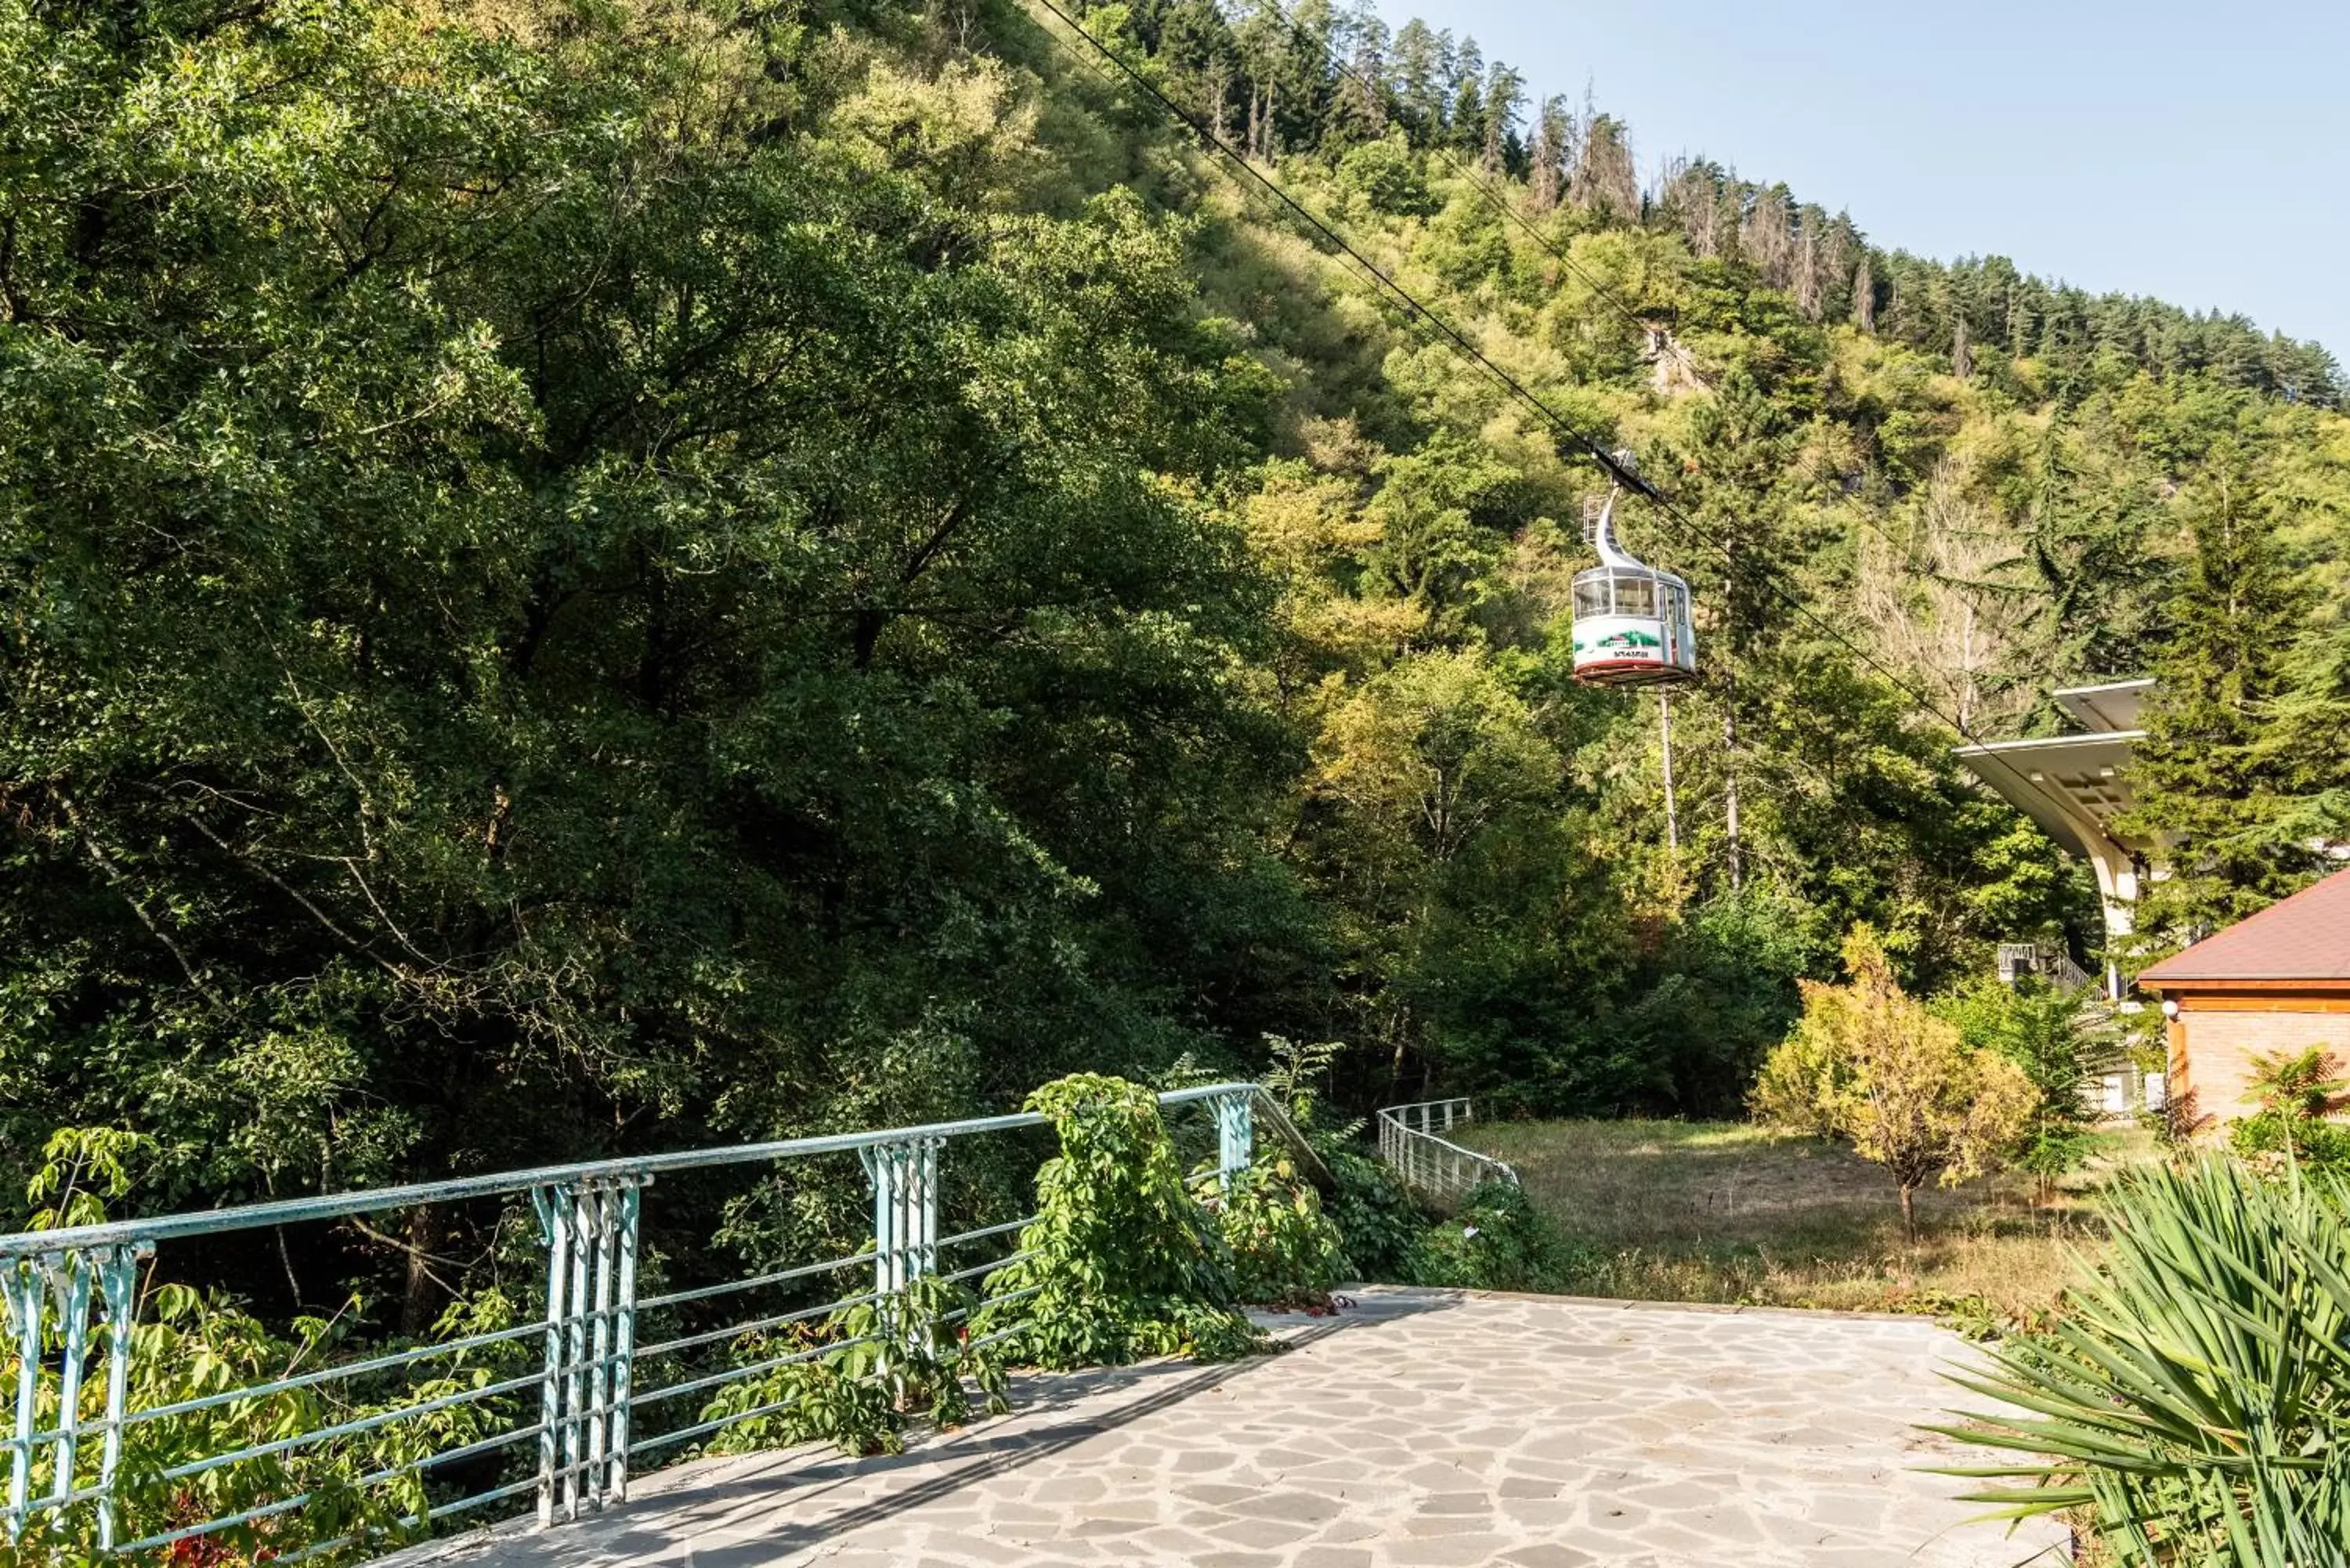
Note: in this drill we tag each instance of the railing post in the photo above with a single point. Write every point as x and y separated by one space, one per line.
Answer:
553 1205
27 1293
926 1205
60 1287
624 1328
70 1279
603 1212
118 1279
1235 1136
882 1163
590 1231
905 1177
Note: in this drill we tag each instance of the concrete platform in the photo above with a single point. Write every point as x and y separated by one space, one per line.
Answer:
1421 1429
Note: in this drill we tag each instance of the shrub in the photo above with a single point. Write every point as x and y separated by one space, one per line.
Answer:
1497 1242
1868 1064
2194 1398
1386 175
1379 1221
1120 1261
888 1361
1286 1251
2296 1094
2056 1038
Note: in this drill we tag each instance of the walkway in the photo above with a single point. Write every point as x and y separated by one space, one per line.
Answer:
1420 1427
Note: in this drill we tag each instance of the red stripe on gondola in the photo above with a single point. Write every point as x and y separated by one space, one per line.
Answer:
1648 671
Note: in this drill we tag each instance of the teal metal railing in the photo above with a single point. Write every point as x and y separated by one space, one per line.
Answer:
73 1299
1412 1141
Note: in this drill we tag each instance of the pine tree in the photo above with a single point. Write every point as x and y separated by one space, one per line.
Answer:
2210 786
1418 63
1465 122
1696 192
1506 96
1362 93
1553 139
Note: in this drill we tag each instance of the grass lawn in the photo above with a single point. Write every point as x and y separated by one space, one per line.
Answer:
1723 1211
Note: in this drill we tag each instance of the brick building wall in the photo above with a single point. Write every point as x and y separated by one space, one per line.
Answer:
2217 1042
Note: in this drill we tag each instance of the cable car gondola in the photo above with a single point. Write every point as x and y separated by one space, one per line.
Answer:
1631 621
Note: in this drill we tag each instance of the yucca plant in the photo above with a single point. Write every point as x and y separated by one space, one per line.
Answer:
2191 1398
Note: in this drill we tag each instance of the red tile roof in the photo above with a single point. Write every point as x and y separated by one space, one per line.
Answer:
2305 937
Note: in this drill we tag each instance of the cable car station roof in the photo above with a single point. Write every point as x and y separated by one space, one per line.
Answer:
2072 785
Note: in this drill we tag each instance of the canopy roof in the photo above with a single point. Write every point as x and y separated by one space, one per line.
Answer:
2304 938
2112 708
2070 785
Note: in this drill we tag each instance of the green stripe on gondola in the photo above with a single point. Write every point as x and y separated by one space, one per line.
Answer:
1615 639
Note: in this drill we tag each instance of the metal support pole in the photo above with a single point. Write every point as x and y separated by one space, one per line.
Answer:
905 1177
881 1170
926 1203
575 1347
604 1206
1665 732
1236 1136
624 1336
554 1207
591 1229
69 1278
118 1279
27 1294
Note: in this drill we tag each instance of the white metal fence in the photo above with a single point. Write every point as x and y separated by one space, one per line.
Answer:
1412 1140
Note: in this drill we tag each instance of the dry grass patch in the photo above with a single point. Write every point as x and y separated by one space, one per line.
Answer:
1723 1211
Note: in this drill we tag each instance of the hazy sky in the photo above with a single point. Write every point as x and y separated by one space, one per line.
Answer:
2195 153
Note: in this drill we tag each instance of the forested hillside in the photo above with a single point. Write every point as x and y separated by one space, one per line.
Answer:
603 577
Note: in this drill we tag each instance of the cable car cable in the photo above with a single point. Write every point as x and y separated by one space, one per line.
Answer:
1598 454
1476 177
1498 199
1591 448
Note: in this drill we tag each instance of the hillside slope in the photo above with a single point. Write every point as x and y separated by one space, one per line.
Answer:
579 579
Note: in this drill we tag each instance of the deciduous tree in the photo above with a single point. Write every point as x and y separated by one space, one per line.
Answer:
1871 1065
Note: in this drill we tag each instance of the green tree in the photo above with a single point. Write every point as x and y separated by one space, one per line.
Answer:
1870 1065
571 583
2061 1041
2208 789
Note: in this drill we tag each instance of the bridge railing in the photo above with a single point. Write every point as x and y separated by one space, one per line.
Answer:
1412 1141
617 1370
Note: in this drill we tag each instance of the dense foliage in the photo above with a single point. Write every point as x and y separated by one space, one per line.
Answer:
576 578
2061 1041
2298 1096
2195 1398
1872 1065
1121 1262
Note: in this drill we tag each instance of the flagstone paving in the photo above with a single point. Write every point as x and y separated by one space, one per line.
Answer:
1418 1429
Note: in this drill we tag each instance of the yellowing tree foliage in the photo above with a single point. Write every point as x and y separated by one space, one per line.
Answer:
1868 1064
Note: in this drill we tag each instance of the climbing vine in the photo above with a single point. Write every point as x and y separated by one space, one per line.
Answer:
1121 1262
871 1370
1286 1251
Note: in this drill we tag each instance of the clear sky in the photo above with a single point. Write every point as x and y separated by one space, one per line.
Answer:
2195 153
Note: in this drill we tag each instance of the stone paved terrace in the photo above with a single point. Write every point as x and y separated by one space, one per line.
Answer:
1419 1427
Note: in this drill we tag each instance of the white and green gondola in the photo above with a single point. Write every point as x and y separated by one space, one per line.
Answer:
1632 624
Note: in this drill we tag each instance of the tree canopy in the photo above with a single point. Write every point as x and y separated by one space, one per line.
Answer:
577 578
